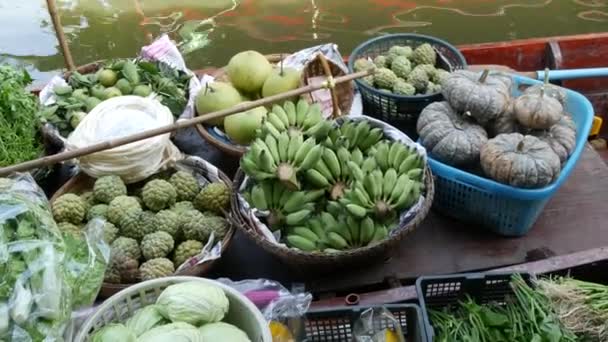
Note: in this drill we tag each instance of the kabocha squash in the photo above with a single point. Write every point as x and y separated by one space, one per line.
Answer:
485 97
448 136
538 110
504 123
561 137
550 90
519 160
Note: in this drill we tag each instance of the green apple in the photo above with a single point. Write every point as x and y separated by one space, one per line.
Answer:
241 127
248 70
216 96
280 81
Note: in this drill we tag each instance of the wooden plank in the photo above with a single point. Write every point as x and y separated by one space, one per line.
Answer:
574 220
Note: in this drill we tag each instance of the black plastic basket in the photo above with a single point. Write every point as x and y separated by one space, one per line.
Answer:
399 110
336 325
438 292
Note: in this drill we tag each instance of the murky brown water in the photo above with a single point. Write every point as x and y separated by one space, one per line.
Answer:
210 31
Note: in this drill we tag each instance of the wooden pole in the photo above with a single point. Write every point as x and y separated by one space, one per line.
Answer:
65 49
108 144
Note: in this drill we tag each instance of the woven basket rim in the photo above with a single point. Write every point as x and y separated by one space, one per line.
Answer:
245 225
139 288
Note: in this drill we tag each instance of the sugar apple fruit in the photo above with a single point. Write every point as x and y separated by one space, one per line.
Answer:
123 268
148 222
106 188
88 198
186 186
69 228
424 54
120 206
214 197
182 206
401 87
158 194
98 210
131 225
369 80
429 69
432 88
418 78
111 276
362 64
186 250
157 245
69 208
110 232
439 76
384 78
218 224
126 245
156 268
398 50
401 66
168 221
380 62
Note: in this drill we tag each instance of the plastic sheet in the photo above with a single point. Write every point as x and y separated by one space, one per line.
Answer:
377 325
42 276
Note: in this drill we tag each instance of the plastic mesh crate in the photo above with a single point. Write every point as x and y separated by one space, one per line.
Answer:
501 208
336 325
438 292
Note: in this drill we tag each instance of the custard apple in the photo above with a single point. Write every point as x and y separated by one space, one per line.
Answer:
148 222
424 54
111 276
88 198
362 64
418 78
156 268
186 250
126 245
439 76
429 69
369 80
401 87
69 208
218 224
182 206
384 78
131 225
432 88
157 245
158 194
123 267
215 197
186 186
120 206
398 50
110 232
380 62
401 66
69 228
107 188
193 226
168 221
98 210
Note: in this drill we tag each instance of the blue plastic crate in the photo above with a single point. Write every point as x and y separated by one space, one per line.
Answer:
501 208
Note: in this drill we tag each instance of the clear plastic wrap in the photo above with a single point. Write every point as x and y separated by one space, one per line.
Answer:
41 279
377 325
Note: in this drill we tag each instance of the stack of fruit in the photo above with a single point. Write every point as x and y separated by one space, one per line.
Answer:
329 189
115 78
405 70
520 141
162 224
251 77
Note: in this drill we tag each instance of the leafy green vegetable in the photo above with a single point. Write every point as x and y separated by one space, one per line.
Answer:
113 333
145 319
193 302
19 140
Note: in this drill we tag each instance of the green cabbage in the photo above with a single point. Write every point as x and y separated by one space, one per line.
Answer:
145 319
221 331
193 302
174 332
113 333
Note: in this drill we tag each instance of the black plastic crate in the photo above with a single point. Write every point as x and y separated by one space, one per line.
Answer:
336 325
438 292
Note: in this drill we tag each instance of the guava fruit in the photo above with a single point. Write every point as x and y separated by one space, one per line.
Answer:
107 77
142 90
98 91
124 86
241 127
216 96
280 81
248 70
80 94
112 92
91 103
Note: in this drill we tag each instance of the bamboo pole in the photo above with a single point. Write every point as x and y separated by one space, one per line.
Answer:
108 144
65 49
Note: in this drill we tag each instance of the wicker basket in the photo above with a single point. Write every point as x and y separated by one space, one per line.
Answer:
82 183
303 262
242 312
342 97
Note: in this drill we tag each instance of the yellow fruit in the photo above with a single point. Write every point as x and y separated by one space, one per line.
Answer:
280 332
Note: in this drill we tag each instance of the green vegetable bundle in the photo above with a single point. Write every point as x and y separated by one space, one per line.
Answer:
42 276
19 139
116 78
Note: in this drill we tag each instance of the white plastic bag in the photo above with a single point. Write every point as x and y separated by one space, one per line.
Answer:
119 117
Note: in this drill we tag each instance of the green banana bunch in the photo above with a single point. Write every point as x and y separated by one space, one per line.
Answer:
281 158
285 207
397 156
300 118
332 172
354 135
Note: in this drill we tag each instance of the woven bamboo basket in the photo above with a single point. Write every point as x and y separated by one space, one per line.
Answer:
81 183
318 262
342 96
242 312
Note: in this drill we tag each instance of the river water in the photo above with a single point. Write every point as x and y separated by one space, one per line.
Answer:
210 31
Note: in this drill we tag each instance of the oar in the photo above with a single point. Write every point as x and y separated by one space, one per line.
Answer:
554 75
